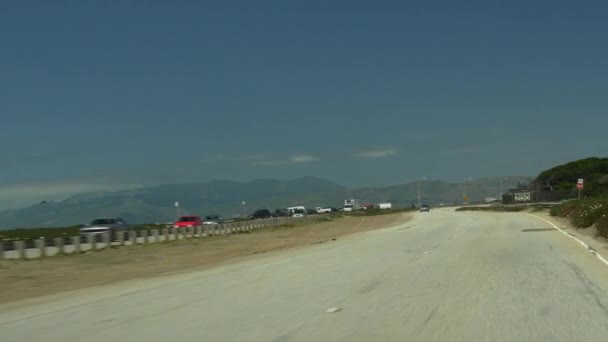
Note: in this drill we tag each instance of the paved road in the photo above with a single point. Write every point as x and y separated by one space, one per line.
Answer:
444 276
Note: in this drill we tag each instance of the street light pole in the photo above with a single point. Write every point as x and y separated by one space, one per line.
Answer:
464 192
419 194
502 186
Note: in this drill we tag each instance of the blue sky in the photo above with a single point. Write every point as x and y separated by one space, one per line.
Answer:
106 95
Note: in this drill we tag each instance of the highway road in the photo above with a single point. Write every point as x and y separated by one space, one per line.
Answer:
443 276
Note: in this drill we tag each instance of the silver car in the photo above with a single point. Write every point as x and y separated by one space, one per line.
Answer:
213 219
105 225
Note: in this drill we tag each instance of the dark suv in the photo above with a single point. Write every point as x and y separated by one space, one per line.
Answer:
425 207
261 214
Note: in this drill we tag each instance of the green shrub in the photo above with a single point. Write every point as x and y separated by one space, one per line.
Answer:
602 226
585 212
554 211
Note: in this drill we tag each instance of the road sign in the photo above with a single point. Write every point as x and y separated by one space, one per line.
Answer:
580 183
177 204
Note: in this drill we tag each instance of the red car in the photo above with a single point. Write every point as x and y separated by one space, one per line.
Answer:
189 221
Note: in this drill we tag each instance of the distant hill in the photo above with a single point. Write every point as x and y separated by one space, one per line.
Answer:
155 204
564 177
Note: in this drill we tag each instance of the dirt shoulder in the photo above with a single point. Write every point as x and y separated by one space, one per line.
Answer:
587 235
29 279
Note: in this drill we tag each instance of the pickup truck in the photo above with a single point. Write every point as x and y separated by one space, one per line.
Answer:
321 210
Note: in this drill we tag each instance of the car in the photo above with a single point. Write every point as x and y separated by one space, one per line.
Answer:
261 214
323 210
311 211
213 219
425 207
188 221
105 225
281 213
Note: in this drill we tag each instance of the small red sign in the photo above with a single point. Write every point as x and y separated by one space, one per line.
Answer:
579 186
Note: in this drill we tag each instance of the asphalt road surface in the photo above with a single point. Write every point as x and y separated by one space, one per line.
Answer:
443 276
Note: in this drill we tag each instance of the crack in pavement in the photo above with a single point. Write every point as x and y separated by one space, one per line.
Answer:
591 288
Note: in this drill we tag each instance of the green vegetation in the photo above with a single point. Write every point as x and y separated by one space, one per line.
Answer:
592 209
35 233
564 177
586 212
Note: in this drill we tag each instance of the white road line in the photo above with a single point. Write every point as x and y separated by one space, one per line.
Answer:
587 247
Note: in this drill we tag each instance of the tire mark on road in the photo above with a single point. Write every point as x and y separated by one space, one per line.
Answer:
369 288
429 317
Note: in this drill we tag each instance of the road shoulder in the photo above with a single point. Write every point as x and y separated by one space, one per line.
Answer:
31 279
586 235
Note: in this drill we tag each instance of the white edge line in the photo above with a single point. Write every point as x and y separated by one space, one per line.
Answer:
589 249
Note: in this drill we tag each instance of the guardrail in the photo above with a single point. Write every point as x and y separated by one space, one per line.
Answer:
41 248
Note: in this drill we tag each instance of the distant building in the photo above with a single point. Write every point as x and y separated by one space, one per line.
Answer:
522 195
517 196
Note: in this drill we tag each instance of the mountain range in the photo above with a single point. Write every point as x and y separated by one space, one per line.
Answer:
156 204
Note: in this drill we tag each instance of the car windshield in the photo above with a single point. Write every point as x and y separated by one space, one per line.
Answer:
103 221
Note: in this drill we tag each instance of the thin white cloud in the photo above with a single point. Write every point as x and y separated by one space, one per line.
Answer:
303 158
292 160
269 162
377 153
253 157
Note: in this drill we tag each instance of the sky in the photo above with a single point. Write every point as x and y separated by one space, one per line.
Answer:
102 95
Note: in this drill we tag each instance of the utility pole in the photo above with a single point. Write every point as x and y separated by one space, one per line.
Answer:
464 191
419 195
502 186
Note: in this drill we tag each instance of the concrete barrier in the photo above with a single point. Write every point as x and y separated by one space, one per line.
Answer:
76 244
59 247
58 243
120 238
133 237
19 247
91 242
106 241
41 247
